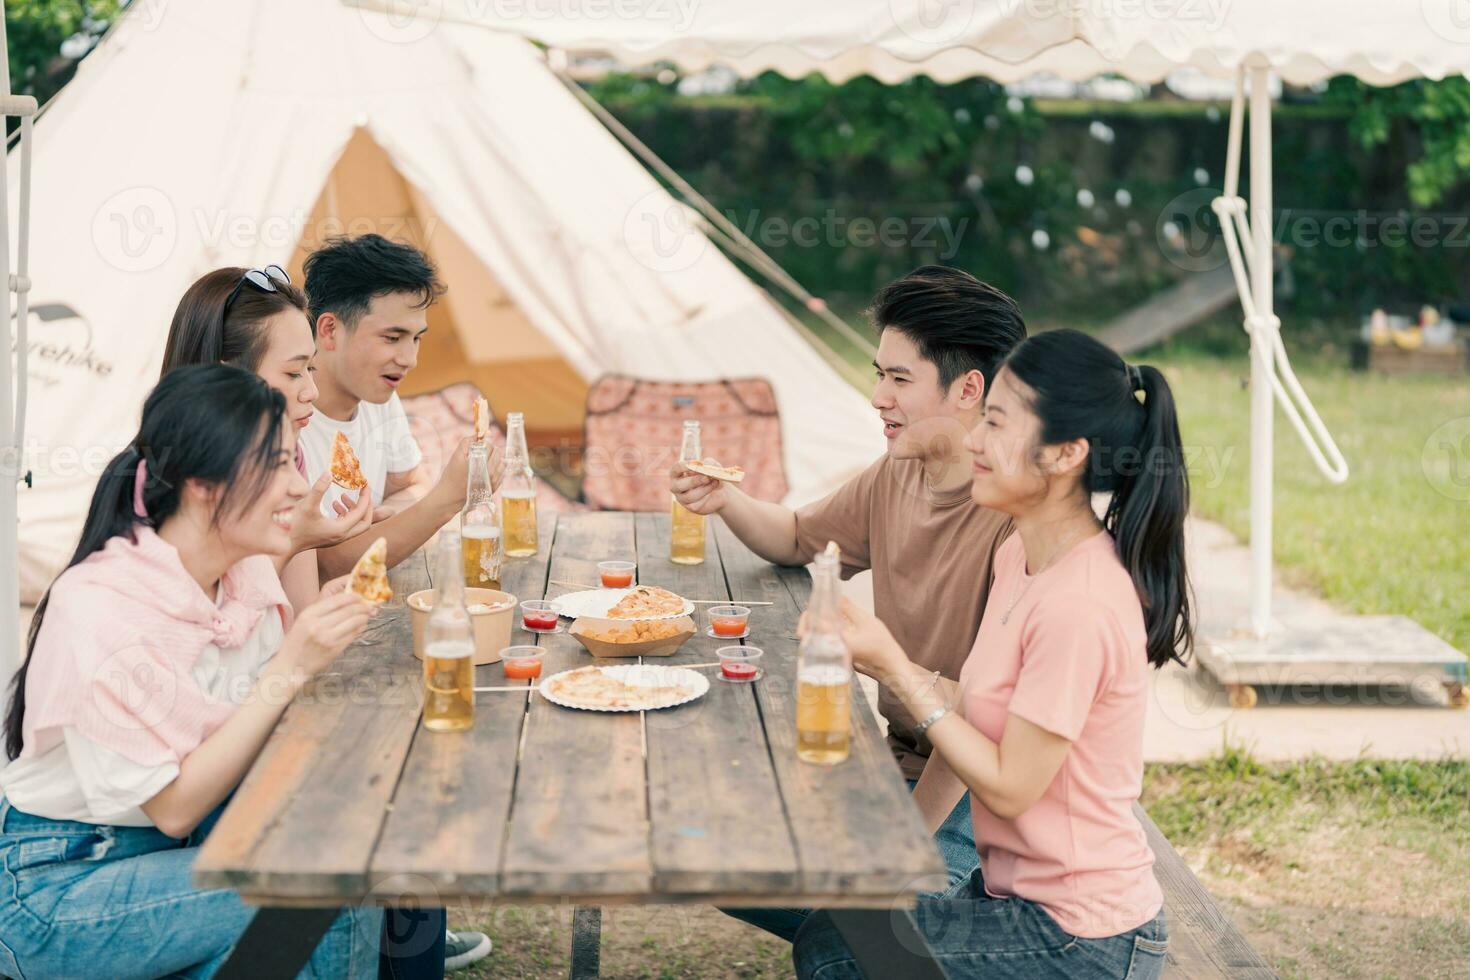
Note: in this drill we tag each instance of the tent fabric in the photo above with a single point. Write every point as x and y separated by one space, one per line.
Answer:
1304 41
203 133
635 430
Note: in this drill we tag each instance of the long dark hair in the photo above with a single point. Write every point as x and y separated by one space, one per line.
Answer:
1083 390
202 333
214 424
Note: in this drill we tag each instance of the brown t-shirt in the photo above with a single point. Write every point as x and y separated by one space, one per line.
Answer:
931 558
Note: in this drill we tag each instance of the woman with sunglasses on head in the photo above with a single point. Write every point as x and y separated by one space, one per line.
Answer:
158 664
1047 732
256 319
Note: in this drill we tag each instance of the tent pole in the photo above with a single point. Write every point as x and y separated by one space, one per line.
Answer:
1261 271
9 451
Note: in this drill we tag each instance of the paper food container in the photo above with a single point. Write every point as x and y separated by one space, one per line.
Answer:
665 647
492 614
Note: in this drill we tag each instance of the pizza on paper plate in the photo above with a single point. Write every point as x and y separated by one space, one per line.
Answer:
481 419
346 470
729 474
589 687
647 600
370 574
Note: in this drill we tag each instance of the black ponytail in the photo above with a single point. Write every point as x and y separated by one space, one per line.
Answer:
214 424
1083 390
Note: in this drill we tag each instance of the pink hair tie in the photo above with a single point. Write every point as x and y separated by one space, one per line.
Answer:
138 509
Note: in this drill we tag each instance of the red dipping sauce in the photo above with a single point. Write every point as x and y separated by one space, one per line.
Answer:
539 620
738 671
617 580
727 627
523 670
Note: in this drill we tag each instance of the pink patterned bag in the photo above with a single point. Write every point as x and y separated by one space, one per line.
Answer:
634 428
440 419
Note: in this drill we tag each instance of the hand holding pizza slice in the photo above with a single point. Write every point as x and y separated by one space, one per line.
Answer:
709 468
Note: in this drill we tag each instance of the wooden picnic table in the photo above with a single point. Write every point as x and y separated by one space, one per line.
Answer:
352 800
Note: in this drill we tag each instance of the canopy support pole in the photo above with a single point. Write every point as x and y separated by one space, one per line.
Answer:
1262 270
13 384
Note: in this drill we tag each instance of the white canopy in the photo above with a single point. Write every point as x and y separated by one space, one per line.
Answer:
1304 41
205 133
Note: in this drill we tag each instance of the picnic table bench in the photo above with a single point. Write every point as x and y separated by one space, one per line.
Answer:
352 801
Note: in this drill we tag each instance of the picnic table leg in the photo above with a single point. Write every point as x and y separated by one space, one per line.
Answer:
277 943
586 942
886 943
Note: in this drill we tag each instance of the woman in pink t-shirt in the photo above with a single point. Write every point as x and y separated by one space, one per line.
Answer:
1047 730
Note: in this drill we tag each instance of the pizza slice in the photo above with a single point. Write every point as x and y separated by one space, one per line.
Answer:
705 467
346 470
370 574
481 419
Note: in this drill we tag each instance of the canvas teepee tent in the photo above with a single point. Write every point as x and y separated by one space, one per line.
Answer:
203 133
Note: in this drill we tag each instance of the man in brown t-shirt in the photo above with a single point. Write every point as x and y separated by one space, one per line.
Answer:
908 517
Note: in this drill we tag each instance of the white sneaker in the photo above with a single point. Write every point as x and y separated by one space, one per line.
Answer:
463 948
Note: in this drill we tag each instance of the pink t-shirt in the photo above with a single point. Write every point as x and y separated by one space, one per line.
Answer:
1071 659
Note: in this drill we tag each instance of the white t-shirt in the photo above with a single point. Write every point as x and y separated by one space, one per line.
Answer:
79 779
380 437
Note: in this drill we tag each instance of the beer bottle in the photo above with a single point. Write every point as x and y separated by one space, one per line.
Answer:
824 671
479 524
686 540
518 492
449 645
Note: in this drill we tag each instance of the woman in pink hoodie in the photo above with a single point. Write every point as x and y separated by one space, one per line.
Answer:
158 664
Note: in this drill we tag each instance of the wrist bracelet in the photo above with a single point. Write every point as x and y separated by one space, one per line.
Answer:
923 726
933 680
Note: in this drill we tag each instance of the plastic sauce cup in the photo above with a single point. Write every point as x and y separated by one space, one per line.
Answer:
616 574
729 620
540 615
522 662
739 664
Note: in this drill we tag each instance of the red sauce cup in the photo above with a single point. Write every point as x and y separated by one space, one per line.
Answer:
540 616
729 621
616 574
522 663
739 665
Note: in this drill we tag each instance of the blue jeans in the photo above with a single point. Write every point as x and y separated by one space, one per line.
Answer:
78 899
955 839
974 935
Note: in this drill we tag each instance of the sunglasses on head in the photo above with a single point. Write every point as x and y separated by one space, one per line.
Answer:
262 279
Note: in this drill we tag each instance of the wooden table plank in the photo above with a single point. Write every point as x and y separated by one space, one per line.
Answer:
832 809
579 820
445 833
716 814
306 817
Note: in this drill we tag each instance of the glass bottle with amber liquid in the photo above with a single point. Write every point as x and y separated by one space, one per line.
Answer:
518 492
479 524
824 671
686 539
449 645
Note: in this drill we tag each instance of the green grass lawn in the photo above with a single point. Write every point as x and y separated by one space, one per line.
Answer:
1331 869
1390 539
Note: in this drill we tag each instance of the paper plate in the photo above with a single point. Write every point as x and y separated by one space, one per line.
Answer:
659 675
597 602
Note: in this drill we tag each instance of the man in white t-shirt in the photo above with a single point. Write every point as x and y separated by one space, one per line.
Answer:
368 300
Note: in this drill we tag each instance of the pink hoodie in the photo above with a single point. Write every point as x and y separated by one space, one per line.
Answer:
115 655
